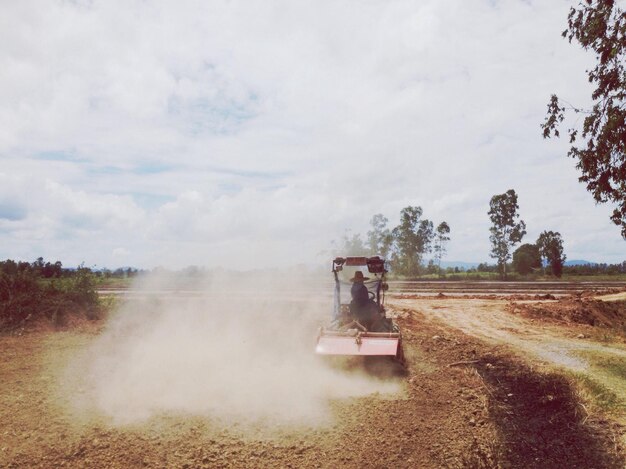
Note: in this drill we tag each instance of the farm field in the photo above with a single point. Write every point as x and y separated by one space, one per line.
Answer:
496 378
421 287
466 288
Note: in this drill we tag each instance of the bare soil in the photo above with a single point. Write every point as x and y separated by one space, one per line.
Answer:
579 310
482 391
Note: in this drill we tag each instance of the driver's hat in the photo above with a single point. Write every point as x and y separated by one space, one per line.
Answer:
358 277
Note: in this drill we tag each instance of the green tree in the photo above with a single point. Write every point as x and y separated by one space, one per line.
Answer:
441 238
600 150
412 238
379 238
52 270
506 230
38 266
526 259
550 246
353 246
431 268
8 267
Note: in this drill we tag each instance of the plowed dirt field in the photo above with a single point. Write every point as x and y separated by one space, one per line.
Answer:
487 386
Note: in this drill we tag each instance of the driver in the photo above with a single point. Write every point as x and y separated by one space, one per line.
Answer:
360 296
361 305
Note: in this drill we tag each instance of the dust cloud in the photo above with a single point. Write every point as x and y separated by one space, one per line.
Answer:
231 348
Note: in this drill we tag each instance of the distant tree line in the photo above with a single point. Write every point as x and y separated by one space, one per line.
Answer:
595 269
405 245
39 268
573 270
48 270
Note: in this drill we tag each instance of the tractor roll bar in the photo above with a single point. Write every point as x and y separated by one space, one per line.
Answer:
375 264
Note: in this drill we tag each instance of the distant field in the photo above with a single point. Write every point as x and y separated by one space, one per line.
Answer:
108 283
323 289
467 288
492 276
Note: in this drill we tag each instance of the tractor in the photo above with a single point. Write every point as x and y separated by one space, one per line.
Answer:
359 323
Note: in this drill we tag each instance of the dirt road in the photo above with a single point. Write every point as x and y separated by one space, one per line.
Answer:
493 322
476 395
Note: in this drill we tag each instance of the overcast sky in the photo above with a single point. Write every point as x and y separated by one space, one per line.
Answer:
245 133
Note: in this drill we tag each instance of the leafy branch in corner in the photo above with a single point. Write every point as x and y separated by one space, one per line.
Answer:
600 146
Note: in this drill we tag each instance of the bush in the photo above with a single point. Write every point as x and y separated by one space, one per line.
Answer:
24 298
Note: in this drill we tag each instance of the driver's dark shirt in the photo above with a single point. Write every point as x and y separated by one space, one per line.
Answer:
359 293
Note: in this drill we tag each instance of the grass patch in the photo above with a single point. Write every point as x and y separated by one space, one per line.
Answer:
607 363
114 282
606 337
597 393
613 365
604 384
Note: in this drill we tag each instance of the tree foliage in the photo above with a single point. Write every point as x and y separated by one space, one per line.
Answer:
550 246
412 238
404 246
526 259
507 230
600 150
353 245
379 238
441 238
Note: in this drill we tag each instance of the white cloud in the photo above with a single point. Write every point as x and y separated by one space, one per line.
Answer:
197 131
120 254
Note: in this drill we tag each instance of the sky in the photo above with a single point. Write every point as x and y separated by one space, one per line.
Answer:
250 134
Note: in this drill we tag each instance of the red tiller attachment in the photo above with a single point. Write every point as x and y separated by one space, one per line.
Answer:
359 343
